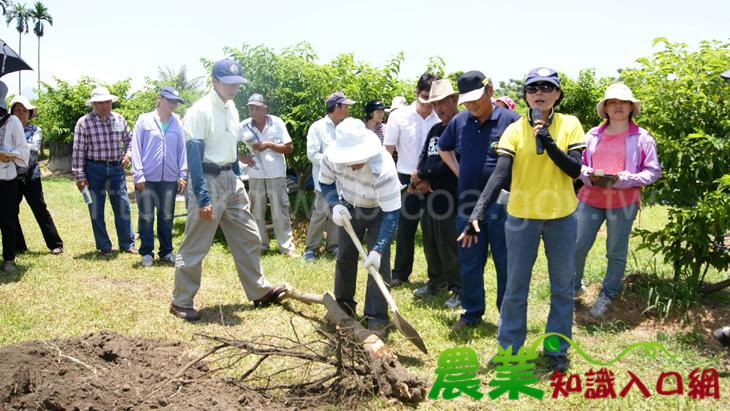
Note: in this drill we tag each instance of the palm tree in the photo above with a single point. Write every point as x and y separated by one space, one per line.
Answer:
18 13
5 5
179 78
39 14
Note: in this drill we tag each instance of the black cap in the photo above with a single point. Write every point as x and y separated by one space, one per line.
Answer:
373 105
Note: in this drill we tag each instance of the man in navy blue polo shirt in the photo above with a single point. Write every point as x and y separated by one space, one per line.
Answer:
474 134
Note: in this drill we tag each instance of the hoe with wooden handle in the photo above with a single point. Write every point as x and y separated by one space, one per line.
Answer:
401 324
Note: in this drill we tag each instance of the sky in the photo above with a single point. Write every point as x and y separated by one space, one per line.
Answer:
112 41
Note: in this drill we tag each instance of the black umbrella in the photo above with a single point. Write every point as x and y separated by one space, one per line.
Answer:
10 61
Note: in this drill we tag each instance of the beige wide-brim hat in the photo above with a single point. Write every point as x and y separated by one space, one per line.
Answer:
22 100
618 91
440 89
100 94
354 143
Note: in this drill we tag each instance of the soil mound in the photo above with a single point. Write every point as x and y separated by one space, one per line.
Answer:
108 371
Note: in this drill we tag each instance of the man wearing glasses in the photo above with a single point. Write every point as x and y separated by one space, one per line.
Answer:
474 134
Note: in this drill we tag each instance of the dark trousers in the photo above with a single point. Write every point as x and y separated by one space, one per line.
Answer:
439 247
410 214
160 196
8 215
365 221
33 193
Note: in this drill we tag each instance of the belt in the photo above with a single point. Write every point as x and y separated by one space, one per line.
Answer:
215 169
107 163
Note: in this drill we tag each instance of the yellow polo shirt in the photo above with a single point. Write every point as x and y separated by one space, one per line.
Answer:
540 190
216 123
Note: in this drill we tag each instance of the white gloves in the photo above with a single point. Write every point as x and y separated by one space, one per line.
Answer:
372 260
340 215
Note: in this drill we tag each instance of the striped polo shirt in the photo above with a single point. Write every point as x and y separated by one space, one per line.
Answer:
374 185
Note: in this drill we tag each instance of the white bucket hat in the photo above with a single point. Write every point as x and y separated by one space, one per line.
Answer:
398 102
440 89
618 91
100 94
23 100
354 143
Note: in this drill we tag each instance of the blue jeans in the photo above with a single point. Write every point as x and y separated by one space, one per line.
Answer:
159 195
107 179
618 227
473 259
523 238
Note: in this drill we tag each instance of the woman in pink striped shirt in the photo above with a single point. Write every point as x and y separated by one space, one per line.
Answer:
619 159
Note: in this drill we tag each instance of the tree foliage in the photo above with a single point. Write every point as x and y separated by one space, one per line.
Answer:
686 107
295 86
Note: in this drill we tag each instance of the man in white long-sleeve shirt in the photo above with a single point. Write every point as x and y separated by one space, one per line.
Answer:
321 135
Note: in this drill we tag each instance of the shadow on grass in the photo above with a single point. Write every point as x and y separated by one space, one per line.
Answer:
7 278
225 314
96 256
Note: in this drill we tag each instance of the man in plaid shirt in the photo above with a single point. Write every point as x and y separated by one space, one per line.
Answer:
100 153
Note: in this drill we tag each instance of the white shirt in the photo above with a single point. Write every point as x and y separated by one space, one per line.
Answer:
269 163
374 185
13 141
407 131
216 123
321 134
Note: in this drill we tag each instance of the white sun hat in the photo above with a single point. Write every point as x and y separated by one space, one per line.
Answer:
23 101
100 94
354 143
618 91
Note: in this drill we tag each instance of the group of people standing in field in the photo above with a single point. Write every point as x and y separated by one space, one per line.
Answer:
480 181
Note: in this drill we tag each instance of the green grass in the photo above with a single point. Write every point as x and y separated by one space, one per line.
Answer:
77 292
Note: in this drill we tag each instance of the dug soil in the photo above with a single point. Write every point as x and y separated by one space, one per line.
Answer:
107 371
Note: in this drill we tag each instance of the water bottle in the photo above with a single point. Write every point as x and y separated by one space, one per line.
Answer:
86 194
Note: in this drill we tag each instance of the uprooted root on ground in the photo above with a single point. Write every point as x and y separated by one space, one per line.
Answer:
312 370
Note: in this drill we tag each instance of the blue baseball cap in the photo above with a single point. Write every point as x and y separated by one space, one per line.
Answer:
543 74
171 94
228 72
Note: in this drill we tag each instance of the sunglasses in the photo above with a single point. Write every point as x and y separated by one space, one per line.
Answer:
544 87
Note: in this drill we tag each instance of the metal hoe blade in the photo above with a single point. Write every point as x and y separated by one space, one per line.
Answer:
400 323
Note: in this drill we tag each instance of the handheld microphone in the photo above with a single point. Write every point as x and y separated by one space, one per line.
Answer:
537 115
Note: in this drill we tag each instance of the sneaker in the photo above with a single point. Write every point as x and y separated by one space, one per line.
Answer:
57 250
558 363
147 261
130 250
600 306
309 256
454 301
424 291
722 335
461 324
291 253
188 314
170 258
9 267
106 253
397 282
